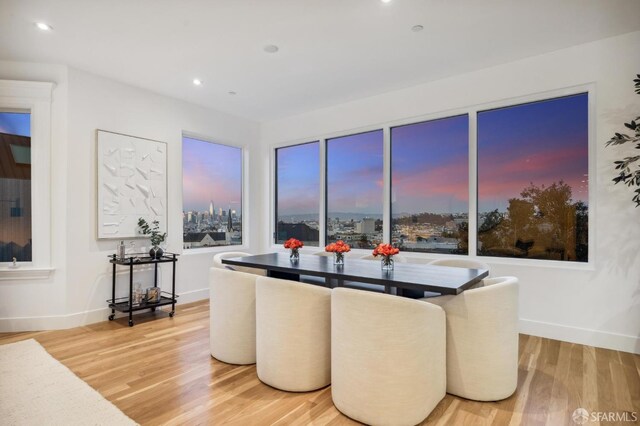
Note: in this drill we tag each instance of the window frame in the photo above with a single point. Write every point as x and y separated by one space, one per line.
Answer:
472 112
390 156
274 234
325 212
34 97
244 195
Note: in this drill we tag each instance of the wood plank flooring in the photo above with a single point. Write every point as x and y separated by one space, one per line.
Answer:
161 372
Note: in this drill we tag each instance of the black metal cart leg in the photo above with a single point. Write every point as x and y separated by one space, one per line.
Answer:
113 292
131 292
173 288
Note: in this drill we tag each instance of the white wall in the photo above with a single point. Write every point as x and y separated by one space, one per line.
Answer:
598 305
38 304
81 283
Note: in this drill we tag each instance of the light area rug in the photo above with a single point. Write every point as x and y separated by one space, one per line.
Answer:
36 389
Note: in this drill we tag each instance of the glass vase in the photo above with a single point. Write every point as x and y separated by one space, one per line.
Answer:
294 256
338 259
387 263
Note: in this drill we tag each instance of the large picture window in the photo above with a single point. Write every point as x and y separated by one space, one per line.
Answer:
533 180
355 189
211 194
15 187
430 186
298 193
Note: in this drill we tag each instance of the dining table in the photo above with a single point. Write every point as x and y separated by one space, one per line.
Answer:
404 278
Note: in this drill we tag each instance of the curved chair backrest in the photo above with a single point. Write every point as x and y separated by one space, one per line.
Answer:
323 253
232 301
457 262
397 258
293 334
482 340
384 368
217 262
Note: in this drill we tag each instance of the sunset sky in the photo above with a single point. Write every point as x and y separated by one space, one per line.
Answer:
15 123
430 166
210 172
539 143
354 173
299 179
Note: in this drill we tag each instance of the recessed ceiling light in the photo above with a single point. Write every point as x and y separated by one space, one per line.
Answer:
271 48
417 28
197 82
232 92
44 26
385 1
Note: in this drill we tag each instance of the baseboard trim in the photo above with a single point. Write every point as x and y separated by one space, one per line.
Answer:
78 319
583 336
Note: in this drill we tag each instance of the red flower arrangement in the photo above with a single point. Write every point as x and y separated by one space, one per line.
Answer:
294 245
339 248
387 251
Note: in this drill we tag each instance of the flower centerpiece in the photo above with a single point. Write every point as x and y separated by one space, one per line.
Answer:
339 248
387 251
294 245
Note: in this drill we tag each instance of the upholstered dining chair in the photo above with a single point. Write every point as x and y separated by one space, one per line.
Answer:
397 258
232 304
387 357
460 263
456 262
293 334
217 262
482 339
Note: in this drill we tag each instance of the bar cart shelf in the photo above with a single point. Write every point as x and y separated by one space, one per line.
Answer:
125 304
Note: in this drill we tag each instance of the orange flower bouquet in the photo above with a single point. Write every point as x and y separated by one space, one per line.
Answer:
339 248
293 245
387 251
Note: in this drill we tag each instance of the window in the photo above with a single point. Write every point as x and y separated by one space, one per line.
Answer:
355 189
297 193
430 186
15 187
211 194
533 180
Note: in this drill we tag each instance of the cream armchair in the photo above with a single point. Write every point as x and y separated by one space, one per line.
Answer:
232 301
482 340
387 357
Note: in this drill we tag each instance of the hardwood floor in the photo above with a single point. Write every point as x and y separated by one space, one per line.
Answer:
161 372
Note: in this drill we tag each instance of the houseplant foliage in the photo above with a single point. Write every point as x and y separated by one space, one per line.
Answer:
629 167
155 236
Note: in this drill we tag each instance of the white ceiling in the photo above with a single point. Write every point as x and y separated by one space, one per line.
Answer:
331 51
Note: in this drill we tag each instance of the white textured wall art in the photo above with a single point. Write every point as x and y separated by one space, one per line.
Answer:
132 183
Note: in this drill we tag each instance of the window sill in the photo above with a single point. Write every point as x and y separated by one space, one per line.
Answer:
218 249
24 273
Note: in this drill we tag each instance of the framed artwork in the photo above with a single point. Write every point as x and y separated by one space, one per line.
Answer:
132 184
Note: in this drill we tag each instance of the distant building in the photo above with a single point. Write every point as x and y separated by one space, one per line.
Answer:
211 209
366 226
300 231
205 239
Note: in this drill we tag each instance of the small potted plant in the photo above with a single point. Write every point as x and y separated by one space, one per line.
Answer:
294 245
339 248
387 251
156 237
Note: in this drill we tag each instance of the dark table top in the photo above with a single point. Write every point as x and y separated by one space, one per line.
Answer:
439 279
